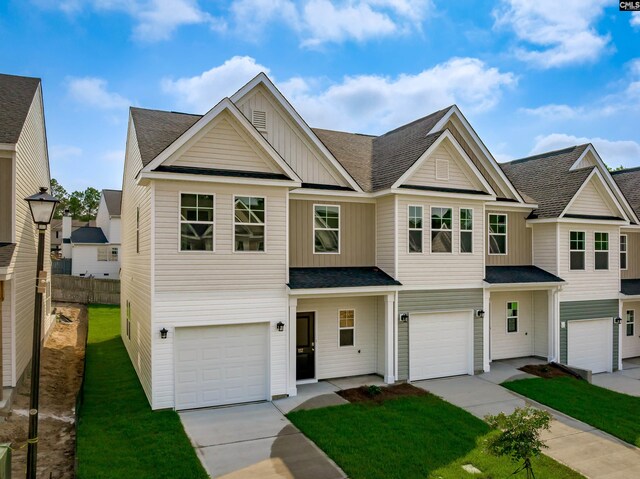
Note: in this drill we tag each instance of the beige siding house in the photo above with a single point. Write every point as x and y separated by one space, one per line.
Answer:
24 168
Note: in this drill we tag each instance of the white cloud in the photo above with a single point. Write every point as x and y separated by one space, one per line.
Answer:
613 153
635 19
64 152
93 92
554 33
555 112
365 103
114 156
322 21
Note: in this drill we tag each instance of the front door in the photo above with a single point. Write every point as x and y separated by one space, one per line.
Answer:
306 346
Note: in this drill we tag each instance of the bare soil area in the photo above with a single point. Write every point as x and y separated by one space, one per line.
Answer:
547 371
380 394
62 364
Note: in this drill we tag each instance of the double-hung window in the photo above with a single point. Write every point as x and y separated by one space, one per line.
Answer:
346 327
631 322
512 317
326 229
602 250
497 234
466 230
441 237
106 253
196 222
249 223
415 229
577 244
623 252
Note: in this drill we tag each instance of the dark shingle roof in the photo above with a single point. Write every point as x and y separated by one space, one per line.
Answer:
16 96
113 199
629 182
6 253
191 170
548 180
88 234
519 274
630 287
345 277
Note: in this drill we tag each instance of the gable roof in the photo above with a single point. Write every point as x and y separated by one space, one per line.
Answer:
16 96
629 182
88 234
113 200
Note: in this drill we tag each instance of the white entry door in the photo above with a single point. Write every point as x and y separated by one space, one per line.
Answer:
216 365
440 344
589 344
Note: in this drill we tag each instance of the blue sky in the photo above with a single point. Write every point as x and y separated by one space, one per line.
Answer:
530 76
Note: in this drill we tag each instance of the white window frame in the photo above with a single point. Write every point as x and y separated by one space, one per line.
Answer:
632 322
625 252
431 230
264 224
313 237
517 317
505 234
181 221
460 230
107 253
596 251
584 251
409 229
353 328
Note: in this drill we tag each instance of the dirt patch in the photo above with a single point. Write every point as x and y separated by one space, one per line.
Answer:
380 394
62 362
547 371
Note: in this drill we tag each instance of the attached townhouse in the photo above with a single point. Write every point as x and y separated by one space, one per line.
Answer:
24 168
259 253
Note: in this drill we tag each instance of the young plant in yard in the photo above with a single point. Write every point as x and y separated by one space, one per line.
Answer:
519 436
374 390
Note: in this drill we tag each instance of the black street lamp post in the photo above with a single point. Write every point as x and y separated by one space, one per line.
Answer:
42 206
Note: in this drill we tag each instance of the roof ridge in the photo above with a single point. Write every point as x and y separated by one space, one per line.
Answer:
544 155
344 132
625 170
401 127
21 76
111 189
164 111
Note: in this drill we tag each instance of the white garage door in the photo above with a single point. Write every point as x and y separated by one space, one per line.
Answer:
589 344
440 344
218 365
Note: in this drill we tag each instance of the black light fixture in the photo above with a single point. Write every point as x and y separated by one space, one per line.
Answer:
280 326
480 313
163 333
42 206
617 320
404 317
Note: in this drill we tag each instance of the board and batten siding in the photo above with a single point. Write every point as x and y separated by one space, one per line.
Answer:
440 270
332 360
438 301
32 172
590 283
591 201
518 240
201 288
580 310
633 257
545 250
386 234
223 144
357 235
135 275
289 140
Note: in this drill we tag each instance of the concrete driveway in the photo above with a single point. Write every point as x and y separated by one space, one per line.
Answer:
255 441
626 381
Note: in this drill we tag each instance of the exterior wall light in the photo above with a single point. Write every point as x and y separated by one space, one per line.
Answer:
280 326
480 313
617 320
404 317
163 333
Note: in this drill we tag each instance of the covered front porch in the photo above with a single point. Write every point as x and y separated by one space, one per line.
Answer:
341 325
630 314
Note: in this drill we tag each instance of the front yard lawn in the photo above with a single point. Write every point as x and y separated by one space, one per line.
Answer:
607 410
410 437
118 434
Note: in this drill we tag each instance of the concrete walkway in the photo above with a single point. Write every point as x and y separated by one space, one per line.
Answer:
591 452
626 381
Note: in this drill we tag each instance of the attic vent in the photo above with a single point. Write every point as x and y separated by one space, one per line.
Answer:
259 119
442 169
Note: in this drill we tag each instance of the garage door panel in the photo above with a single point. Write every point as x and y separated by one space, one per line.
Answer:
218 365
589 344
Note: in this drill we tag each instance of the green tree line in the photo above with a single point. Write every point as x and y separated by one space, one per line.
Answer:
82 205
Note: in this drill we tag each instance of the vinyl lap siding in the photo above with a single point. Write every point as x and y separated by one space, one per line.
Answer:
85 261
7 370
458 178
591 202
435 301
633 257
545 252
357 235
385 235
518 241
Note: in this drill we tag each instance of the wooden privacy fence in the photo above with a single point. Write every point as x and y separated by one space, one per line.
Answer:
75 289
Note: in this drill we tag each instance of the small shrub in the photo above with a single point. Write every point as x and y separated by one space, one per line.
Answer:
374 390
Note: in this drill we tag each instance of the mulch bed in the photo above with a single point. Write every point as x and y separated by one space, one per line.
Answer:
547 371
364 394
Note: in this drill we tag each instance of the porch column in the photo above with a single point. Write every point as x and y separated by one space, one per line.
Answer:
389 342
293 308
486 331
554 325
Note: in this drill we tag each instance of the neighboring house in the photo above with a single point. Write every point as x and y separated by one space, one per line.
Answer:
95 250
259 254
24 168
56 232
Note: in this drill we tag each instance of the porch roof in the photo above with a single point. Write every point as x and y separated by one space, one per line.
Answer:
339 277
519 274
630 287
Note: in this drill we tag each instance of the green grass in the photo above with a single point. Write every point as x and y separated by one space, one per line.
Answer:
607 410
410 437
118 434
